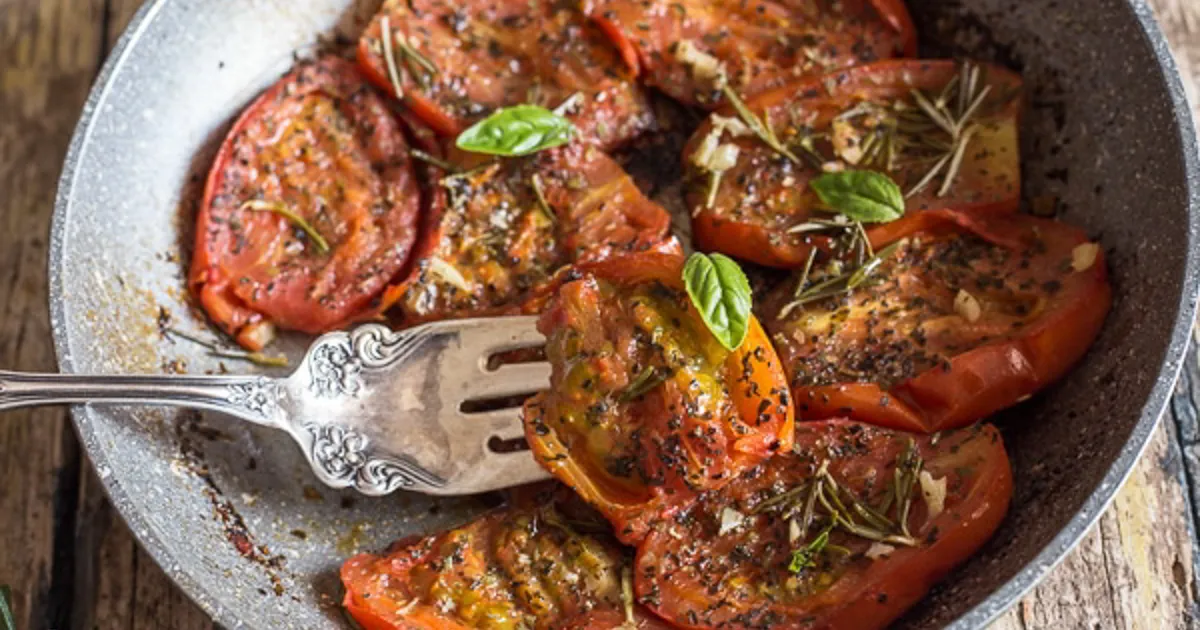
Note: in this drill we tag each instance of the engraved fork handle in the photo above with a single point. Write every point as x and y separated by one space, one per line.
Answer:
252 398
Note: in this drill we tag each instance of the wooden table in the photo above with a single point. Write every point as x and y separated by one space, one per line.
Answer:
75 566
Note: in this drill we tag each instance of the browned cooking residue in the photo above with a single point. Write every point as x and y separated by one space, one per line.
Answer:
191 455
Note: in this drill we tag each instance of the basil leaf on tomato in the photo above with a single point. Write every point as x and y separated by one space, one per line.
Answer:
864 196
721 293
515 131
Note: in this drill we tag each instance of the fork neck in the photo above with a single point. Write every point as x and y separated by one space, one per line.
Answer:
252 398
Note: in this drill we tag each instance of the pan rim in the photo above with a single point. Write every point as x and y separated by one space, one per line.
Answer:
991 607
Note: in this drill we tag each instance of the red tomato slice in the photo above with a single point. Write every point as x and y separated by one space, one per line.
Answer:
899 352
760 45
742 557
322 145
850 119
490 246
645 406
487 55
524 566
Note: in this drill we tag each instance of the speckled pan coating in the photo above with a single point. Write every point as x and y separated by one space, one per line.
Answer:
1108 135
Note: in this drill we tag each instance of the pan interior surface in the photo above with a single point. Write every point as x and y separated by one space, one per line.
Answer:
232 512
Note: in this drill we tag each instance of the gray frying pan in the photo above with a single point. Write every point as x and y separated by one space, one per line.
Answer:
233 514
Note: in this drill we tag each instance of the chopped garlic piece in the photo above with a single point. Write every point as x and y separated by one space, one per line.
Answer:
733 126
703 154
704 66
724 158
731 519
793 531
1084 256
934 491
447 272
967 306
879 550
847 142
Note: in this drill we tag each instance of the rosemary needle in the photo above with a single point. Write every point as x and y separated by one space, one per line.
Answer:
535 182
259 205
434 160
389 57
759 126
214 350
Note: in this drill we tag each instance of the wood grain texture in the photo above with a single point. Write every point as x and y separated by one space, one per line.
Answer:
74 565
48 55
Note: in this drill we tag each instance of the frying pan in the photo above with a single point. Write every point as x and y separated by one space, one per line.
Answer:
233 514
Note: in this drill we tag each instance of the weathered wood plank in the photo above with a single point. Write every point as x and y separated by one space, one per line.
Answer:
1134 570
47 59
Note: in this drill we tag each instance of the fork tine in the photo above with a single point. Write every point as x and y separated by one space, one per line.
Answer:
509 380
503 423
498 334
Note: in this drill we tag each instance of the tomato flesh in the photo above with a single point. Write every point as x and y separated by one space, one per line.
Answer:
910 351
740 558
488 55
861 118
322 145
645 406
520 566
760 44
491 246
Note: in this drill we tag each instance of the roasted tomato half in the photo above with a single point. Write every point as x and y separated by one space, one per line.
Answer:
965 315
500 230
945 132
458 61
524 566
845 533
645 406
681 47
310 209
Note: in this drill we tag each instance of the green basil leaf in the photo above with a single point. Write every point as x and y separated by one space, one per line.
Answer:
865 196
721 294
518 130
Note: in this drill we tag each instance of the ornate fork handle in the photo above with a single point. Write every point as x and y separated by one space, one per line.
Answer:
252 398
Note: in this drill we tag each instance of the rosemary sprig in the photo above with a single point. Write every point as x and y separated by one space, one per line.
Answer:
257 358
952 112
259 205
641 384
760 126
389 57
840 283
535 182
908 466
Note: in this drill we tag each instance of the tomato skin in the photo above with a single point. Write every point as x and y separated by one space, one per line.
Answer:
763 196
492 229
638 460
524 565
341 162
499 54
696 577
761 45
997 372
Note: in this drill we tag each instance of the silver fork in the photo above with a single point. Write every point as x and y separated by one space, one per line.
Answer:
373 409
